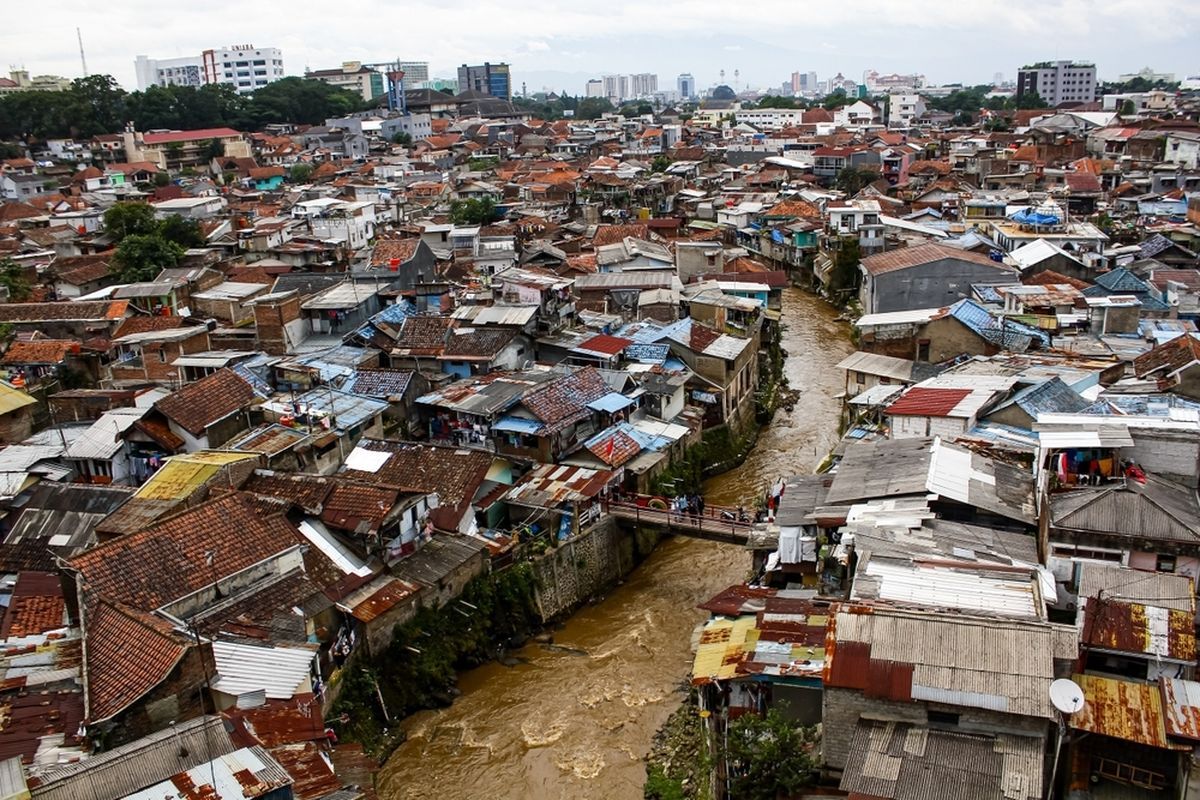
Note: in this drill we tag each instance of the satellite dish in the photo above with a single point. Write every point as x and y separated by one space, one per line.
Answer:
1066 696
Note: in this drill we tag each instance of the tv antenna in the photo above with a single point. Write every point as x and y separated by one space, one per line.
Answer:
1066 696
82 57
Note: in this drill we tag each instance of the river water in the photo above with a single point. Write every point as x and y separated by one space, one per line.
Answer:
574 719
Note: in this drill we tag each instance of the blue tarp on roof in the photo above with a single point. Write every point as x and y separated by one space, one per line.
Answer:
777 237
517 425
610 403
1030 217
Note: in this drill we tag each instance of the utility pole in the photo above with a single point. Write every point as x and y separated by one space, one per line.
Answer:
82 57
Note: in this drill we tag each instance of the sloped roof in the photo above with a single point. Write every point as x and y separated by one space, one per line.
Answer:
1168 357
908 257
562 402
114 680
1157 510
169 560
212 398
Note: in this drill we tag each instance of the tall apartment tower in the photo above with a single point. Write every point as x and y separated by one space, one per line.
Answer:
686 85
1058 82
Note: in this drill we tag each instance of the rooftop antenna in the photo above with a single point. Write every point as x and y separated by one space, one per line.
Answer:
1067 698
82 57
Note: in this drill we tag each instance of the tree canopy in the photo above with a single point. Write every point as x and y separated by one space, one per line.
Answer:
769 757
97 104
473 211
145 245
141 256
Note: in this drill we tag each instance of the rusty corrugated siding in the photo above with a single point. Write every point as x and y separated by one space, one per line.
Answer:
1181 707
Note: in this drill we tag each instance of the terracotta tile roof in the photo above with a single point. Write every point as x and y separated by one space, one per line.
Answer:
189 136
929 167
793 208
422 336
559 403
455 474
382 383
159 432
1082 182
925 402
1169 357
1188 277
199 404
306 491
388 249
37 605
87 310
614 449
83 273
1050 277
10 212
476 344
41 351
169 559
611 234
263 173
114 680
358 507
906 257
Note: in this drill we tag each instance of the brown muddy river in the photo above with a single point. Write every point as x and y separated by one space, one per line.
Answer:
573 720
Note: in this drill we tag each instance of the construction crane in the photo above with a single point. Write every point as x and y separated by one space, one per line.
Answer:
82 57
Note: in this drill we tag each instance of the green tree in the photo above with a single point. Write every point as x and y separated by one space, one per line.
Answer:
300 101
162 179
129 219
660 163
593 108
402 138
12 278
769 757
1128 108
140 257
97 105
183 232
844 276
777 101
473 211
851 180
1030 100
300 172
213 149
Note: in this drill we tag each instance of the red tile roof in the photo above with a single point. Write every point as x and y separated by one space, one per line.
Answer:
199 404
358 507
169 559
114 679
41 351
36 606
615 449
401 250
1168 357
189 136
907 257
923 402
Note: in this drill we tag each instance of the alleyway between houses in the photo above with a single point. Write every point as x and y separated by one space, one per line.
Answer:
574 719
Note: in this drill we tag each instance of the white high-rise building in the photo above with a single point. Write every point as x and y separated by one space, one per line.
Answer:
686 85
616 88
643 84
595 88
244 67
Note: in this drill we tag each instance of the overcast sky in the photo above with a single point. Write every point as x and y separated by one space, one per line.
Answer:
559 44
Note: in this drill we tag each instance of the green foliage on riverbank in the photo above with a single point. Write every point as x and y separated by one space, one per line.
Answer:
679 766
719 450
418 670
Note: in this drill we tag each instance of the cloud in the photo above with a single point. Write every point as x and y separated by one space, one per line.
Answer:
962 41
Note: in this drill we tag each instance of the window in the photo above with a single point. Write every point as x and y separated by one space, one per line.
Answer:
1165 563
942 718
162 355
923 350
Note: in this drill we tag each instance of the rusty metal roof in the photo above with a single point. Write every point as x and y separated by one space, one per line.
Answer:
1136 628
786 639
1123 710
1181 707
549 485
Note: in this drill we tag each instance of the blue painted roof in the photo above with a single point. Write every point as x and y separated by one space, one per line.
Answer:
1122 281
517 425
1010 335
610 403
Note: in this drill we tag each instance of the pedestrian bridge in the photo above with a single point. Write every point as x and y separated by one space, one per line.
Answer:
714 524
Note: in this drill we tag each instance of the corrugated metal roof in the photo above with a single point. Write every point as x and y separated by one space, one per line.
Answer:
141 763
550 485
1125 710
1162 633
280 671
997 665
244 774
181 475
902 760
102 440
900 369
1181 707
1114 582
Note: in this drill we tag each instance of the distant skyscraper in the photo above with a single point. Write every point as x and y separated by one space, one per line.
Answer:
414 72
493 79
595 88
687 86
643 84
245 67
998 79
